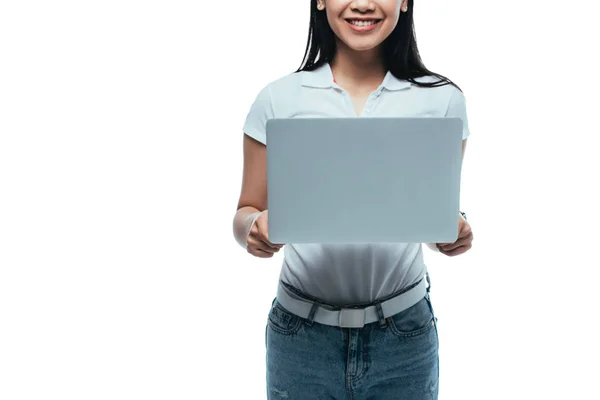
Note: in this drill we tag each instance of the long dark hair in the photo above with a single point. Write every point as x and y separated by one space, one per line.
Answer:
400 53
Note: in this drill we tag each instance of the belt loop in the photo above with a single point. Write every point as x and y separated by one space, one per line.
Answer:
382 322
428 281
311 315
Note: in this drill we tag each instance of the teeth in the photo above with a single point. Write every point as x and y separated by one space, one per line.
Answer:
362 23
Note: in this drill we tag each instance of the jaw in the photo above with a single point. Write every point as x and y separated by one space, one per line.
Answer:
362 51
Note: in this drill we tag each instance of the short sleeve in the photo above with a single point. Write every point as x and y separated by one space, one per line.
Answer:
260 112
457 108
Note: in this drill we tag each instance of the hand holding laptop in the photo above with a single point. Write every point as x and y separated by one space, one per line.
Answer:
462 244
258 238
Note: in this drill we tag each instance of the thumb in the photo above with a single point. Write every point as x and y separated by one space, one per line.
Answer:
464 227
262 225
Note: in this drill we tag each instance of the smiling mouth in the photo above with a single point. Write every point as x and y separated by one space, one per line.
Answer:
363 22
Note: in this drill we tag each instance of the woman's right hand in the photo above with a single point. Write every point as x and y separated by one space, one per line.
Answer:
258 238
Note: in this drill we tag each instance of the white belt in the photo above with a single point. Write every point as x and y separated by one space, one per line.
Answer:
350 317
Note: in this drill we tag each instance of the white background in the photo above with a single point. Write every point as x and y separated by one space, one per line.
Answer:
120 171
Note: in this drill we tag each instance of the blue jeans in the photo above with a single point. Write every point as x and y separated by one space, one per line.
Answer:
395 360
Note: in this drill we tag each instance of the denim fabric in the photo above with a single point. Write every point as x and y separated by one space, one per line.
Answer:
397 360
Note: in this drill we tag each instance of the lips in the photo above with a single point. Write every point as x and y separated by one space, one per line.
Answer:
362 22
363 25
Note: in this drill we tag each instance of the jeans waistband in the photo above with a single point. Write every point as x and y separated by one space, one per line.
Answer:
350 316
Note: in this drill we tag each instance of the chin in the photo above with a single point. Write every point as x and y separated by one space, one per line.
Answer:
362 47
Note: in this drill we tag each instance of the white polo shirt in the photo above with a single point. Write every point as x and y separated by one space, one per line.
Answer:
357 273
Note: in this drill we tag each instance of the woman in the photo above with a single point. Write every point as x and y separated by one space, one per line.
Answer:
349 321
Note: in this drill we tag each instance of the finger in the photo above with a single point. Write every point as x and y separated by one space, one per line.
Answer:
462 238
458 251
263 232
260 253
256 249
460 242
465 230
263 227
464 226
271 245
256 231
267 244
257 243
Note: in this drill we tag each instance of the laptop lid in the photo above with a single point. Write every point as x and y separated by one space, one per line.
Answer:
364 180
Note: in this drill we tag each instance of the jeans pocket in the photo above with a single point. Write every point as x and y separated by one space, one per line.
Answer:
415 321
283 321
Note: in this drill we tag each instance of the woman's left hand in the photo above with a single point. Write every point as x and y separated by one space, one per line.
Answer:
462 244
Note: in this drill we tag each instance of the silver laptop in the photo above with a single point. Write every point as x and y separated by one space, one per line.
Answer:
364 180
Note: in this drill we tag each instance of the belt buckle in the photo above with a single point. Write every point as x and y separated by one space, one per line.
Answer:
352 317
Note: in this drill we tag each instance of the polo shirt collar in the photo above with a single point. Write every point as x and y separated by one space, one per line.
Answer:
322 77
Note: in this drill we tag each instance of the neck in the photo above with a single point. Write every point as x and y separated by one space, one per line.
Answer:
357 68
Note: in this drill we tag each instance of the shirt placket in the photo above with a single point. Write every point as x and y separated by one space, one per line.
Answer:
369 104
